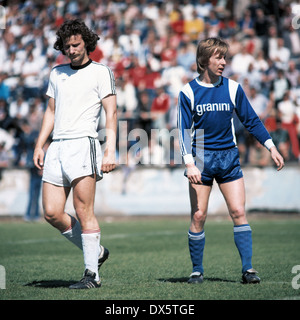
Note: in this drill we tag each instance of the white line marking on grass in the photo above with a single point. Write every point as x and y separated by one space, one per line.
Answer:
32 241
141 234
109 236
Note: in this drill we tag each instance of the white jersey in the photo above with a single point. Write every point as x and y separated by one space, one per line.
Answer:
78 92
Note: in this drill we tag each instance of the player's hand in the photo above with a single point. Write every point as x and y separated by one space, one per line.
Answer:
193 173
108 163
38 158
277 158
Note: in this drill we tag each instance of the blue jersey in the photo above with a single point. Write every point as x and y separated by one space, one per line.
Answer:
210 107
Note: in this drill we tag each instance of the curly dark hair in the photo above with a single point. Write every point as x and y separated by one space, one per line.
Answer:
73 27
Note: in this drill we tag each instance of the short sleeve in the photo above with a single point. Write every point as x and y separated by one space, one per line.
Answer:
107 83
51 88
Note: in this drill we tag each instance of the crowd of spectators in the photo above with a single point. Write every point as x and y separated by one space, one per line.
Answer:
151 48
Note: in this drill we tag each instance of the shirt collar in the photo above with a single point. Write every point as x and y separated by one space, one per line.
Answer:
81 66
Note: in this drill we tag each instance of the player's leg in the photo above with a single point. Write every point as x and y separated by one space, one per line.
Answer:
199 195
56 190
83 200
54 200
234 194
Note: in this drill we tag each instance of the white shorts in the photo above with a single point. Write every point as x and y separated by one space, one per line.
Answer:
69 159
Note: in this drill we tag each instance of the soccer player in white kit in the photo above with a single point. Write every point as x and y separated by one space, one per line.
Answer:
77 92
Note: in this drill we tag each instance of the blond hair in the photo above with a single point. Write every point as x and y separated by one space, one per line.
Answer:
206 48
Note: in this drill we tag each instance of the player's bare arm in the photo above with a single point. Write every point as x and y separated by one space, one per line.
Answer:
109 159
277 158
47 127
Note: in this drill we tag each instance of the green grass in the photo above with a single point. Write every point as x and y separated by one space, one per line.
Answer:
150 261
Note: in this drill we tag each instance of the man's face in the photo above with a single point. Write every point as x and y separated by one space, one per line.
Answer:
216 64
75 50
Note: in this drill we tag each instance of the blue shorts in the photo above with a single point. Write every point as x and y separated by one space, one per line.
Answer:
222 165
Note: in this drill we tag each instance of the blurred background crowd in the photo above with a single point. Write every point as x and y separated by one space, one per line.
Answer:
151 48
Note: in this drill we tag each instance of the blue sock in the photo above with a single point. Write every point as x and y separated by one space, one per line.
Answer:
243 241
196 246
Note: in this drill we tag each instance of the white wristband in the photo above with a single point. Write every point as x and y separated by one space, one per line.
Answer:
188 158
269 144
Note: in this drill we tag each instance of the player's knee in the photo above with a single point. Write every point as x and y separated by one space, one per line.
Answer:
238 213
50 214
199 217
48 217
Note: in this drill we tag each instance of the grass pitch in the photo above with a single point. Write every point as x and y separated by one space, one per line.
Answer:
149 260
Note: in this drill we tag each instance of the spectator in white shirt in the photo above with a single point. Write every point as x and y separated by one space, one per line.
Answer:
281 55
30 74
241 61
19 108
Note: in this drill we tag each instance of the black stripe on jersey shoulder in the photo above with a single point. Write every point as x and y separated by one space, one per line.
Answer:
99 63
111 75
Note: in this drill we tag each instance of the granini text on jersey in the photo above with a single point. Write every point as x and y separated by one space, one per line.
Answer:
201 108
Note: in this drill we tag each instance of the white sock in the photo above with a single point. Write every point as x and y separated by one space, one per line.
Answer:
91 251
73 233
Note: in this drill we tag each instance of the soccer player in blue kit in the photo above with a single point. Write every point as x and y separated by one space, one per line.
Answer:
209 150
